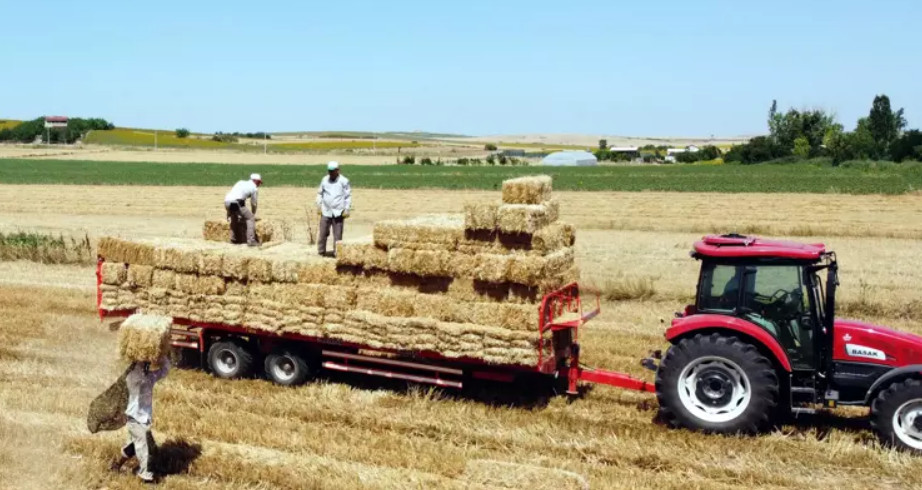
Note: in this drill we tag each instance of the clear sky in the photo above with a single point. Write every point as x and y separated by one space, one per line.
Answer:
653 68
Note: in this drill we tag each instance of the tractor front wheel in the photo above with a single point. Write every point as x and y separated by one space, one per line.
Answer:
717 383
896 415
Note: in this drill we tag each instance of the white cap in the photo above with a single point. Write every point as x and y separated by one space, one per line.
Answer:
255 177
332 166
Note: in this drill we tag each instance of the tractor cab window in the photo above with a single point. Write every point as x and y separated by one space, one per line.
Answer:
774 297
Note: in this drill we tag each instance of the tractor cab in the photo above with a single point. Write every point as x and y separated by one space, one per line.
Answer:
774 285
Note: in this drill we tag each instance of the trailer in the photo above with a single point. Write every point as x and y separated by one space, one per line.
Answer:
231 351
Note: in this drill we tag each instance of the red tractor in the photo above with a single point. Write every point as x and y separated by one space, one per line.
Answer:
762 340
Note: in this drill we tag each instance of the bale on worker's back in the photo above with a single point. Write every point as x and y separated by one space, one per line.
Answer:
144 338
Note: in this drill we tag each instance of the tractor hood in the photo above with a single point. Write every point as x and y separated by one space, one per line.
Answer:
862 342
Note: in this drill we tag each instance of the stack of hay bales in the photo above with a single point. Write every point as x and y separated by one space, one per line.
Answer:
219 231
460 285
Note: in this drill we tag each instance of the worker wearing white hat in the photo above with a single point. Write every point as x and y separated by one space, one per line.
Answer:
242 220
334 200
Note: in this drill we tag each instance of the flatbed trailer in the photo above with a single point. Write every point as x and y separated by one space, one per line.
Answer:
230 351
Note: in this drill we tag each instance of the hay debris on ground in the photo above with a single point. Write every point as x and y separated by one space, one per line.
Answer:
527 190
144 338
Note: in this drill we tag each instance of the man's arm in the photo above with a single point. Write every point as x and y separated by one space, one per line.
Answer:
347 196
164 369
253 200
319 199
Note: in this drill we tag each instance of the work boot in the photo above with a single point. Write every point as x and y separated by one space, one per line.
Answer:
253 244
116 465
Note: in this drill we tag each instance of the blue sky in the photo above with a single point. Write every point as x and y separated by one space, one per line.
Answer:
655 68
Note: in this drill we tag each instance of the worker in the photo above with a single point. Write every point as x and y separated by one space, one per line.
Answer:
140 380
334 200
242 221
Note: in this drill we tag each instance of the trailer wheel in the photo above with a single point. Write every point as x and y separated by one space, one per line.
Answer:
230 360
896 415
717 383
287 368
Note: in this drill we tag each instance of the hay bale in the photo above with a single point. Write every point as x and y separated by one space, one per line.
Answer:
211 263
114 273
420 262
144 338
285 271
361 253
432 232
480 216
554 237
127 252
533 189
318 272
234 266
491 267
140 276
219 231
107 411
163 279
259 269
194 284
526 218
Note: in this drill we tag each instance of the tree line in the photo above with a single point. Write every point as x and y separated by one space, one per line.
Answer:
28 131
804 134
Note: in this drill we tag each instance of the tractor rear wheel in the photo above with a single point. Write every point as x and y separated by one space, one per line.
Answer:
896 415
717 383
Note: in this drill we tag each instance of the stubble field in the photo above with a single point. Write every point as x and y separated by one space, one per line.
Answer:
343 433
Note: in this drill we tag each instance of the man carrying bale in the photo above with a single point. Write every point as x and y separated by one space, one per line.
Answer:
242 221
334 200
144 341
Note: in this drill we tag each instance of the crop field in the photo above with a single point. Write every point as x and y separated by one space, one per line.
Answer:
8 123
362 144
343 432
895 179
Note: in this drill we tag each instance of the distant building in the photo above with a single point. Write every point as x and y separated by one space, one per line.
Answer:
577 158
55 122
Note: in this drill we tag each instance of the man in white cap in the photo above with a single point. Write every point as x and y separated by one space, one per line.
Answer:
242 220
334 200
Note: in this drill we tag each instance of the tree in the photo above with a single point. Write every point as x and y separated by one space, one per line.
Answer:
838 144
810 124
802 148
603 144
884 124
489 147
182 133
708 152
908 146
758 149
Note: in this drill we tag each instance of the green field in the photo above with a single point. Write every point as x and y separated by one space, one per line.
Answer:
168 139
690 178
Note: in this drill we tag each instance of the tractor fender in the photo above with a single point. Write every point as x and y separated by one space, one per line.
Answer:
686 326
898 374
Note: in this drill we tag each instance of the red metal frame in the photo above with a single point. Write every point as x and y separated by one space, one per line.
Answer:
696 323
750 246
553 306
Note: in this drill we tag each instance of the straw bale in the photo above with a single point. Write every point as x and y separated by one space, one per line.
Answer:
259 269
118 250
219 230
211 263
384 301
285 271
163 279
318 272
554 237
349 275
526 218
193 284
107 411
491 267
179 258
429 285
480 216
140 275
361 253
533 189
419 262
114 273
144 338
439 231
235 266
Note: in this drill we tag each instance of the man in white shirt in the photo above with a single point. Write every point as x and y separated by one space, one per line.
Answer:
242 221
140 381
334 200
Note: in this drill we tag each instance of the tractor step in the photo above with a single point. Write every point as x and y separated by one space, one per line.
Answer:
802 411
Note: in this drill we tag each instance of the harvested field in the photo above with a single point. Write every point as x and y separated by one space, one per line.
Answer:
346 433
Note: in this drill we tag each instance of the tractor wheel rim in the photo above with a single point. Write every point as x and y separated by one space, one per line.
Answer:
714 389
227 362
284 369
905 422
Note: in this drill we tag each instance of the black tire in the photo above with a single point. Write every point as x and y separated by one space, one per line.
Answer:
287 368
720 368
229 359
893 412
